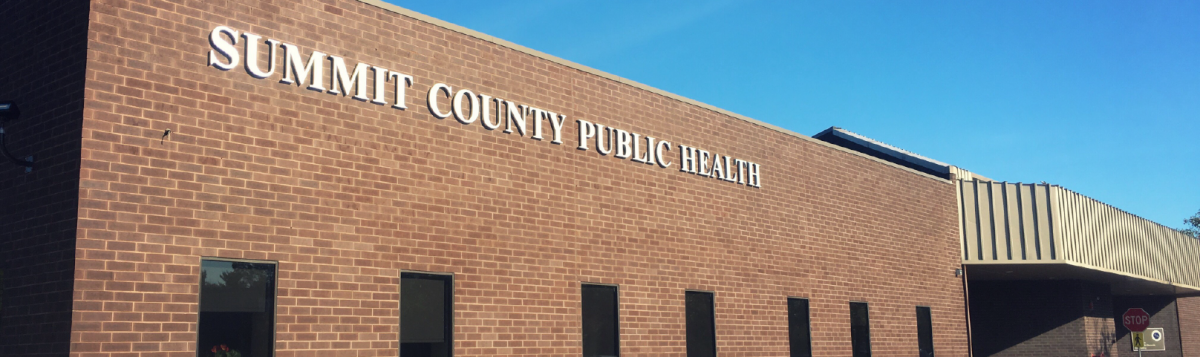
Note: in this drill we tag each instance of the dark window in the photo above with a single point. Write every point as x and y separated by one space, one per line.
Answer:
925 331
701 325
600 331
237 308
426 315
798 328
860 329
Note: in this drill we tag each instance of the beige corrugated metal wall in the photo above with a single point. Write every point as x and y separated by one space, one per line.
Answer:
1007 222
1013 223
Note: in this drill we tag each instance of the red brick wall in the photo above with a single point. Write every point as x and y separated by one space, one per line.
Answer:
43 56
1189 325
346 194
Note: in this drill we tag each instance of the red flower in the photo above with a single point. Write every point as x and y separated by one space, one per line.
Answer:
214 349
224 348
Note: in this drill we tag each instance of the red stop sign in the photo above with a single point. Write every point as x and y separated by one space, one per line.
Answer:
1136 319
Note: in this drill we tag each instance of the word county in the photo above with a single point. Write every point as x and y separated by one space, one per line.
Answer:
465 106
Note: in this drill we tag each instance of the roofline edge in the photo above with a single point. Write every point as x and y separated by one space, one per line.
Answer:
485 37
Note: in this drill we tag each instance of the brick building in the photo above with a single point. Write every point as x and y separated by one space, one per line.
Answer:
1051 272
349 178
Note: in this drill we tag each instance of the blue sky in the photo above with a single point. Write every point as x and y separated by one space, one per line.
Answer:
1101 97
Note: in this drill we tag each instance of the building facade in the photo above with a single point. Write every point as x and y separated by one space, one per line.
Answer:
326 154
1051 272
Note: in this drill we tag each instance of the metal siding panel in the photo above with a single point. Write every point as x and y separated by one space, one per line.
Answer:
1071 223
1076 228
1043 222
1102 220
1160 250
1098 232
1193 267
1148 264
1165 249
1177 250
1068 221
971 231
1013 216
962 230
1029 223
1055 231
985 222
1109 229
1190 272
1096 219
1000 224
1141 253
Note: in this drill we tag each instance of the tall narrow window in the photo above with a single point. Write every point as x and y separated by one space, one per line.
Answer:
925 331
237 308
799 335
426 315
600 331
860 329
701 325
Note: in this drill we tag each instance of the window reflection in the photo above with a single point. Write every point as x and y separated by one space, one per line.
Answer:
237 309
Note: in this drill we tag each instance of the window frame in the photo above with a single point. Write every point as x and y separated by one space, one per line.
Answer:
274 296
616 312
448 315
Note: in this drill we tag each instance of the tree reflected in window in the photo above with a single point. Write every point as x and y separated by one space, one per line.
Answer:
237 309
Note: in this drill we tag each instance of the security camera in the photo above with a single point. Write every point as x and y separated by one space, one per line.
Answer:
9 111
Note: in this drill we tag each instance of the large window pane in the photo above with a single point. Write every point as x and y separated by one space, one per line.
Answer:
237 308
860 329
426 315
600 331
925 331
701 326
798 328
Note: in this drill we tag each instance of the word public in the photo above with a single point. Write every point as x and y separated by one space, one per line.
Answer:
466 106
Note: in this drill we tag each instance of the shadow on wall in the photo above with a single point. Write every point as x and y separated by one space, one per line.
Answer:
1040 318
1163 314
1104 342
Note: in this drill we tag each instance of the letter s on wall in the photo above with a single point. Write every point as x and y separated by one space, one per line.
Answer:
225 48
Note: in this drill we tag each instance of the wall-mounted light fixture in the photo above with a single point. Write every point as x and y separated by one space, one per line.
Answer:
958 272
10 112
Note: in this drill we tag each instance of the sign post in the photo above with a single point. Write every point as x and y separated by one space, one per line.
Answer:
1136 320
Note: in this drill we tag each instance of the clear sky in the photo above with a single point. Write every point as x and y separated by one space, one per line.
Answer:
1101 97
